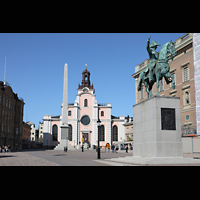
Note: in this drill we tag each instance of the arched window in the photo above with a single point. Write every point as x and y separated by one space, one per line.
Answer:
115 133
55 133
102 133
70 133
69 113
102 113
85 103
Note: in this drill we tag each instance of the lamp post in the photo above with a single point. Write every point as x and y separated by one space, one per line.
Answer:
98 148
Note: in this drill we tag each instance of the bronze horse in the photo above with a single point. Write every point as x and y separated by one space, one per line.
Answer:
161 69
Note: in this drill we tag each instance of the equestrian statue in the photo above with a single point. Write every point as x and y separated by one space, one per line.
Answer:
158 66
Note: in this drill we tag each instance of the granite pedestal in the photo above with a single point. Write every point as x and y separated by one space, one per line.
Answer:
157 128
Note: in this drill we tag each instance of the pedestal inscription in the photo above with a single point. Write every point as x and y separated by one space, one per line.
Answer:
64 133
168 118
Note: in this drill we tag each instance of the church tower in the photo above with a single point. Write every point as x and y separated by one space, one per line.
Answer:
85 80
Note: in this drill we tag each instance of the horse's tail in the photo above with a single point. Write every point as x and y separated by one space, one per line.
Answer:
140 82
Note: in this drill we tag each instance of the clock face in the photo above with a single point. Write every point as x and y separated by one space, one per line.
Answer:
85 120
85 89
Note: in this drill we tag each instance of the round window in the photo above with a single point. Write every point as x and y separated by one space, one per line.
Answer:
85 120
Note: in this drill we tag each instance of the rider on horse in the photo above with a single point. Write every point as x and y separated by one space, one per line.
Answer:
153 55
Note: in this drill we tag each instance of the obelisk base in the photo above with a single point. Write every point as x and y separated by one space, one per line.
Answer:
63 138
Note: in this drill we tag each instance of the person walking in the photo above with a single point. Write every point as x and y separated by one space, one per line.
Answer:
126 148
113 147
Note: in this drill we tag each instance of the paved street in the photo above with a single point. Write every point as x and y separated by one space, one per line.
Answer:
78 158
56 158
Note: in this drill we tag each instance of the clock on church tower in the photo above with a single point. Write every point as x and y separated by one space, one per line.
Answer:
85 89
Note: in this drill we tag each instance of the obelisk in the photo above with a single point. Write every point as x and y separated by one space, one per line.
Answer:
64 122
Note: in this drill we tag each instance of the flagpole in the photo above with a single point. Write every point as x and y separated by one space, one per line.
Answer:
5 72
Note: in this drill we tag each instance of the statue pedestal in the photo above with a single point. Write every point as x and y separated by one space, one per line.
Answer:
157 128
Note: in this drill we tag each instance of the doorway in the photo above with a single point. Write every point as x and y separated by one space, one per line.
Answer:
85 136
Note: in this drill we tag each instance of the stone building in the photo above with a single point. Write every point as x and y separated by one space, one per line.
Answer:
26 135
182 68
26 132
40 129
11 117
128 126
33 131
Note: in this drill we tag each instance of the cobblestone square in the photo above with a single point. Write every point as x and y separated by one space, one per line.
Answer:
77 158
56 158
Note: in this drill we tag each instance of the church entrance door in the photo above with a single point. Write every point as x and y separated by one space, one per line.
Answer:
85 136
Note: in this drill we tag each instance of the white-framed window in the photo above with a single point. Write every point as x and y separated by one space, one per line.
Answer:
185 71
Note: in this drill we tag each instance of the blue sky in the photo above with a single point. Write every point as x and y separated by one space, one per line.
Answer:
35 67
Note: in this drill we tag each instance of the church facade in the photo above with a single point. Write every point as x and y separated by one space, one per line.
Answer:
83 115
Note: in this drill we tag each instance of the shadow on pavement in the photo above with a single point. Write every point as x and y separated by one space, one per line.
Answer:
6 156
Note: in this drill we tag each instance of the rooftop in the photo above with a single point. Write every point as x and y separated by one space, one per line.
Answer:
4 85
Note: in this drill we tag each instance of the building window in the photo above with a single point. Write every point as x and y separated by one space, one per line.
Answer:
186 77
55 132
102 133
70 133
187 117
85 103
115 133
102 113
185 68
69 113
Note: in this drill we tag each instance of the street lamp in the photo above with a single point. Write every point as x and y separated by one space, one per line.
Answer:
98 148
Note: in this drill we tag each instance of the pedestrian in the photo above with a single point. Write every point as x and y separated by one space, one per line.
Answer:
9 148
127 148
113 147
116 148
